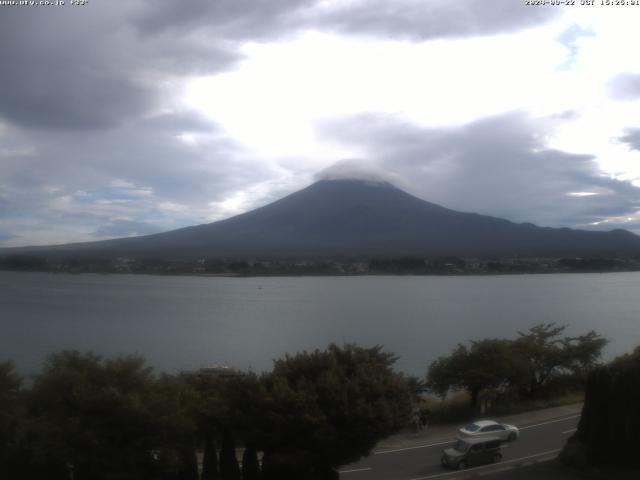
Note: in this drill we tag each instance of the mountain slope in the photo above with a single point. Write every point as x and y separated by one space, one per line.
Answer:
352 218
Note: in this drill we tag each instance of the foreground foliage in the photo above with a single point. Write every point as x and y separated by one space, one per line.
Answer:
330 408
609 430
85 417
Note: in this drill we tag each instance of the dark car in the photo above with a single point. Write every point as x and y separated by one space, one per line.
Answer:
471 452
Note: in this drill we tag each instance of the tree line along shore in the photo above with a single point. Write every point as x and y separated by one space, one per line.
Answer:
447 265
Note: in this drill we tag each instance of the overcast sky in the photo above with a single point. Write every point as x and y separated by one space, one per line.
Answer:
130 117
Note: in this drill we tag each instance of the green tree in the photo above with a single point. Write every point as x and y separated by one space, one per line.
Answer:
329 408
174 405
210 459
250 464
210 413
11 419
609 428
541 348
522 368
229 468
188 464
583 353
485 364
543 354
229 408
109 419
242 410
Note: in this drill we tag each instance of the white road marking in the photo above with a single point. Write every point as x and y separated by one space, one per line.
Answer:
413 448
550 421
569 431
458 472
355 470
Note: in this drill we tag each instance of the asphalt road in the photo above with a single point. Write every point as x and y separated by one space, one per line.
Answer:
537 442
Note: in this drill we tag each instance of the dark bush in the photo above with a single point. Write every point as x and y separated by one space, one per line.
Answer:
609 428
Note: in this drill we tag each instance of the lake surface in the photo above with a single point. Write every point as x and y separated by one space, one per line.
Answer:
181 323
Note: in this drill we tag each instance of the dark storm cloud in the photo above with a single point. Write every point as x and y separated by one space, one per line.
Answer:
225 19
497 166
56 73
625 86
86 68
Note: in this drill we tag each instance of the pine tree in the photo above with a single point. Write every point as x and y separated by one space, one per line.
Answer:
250 465
210 460
229 468
188 465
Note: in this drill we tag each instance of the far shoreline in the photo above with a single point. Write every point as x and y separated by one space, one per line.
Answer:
300 275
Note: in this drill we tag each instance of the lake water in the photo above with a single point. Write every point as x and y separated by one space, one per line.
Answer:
181 323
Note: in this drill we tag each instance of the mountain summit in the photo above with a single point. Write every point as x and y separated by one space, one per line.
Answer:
357 219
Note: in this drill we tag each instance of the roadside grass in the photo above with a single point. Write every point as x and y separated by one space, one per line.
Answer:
539 404
455 408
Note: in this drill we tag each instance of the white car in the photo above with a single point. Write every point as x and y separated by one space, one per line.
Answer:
489 428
